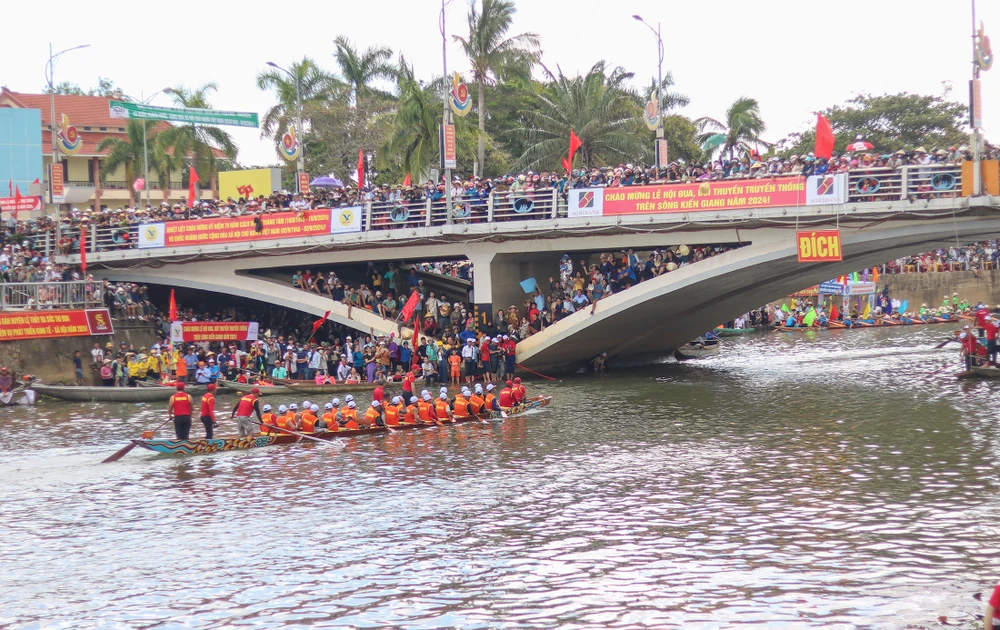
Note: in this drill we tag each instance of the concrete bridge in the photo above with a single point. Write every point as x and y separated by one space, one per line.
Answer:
884 214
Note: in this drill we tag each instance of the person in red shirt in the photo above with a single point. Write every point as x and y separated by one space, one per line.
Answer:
507 396
208 411
408 379
379 394
484 356
510 351
981 316
179 409
991 619
969 346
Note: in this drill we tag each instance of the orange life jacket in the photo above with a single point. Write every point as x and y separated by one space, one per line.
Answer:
441 408
350 418
411 414
392 415
308 422
489 401
287 421
372 416
268 418
330 417
461 406
477 403
425 411
182 404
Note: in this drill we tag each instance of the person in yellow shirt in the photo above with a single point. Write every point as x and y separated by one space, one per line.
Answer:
132 363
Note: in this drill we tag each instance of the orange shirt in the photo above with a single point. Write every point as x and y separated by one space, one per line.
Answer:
455 361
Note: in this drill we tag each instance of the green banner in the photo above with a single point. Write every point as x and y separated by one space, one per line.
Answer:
124 109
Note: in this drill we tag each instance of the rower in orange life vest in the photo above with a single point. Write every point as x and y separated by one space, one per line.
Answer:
518 392
507 396
461 404
308 419
244 411
293 420
208 411
442 408
394 411
477 401
179 409
410 415
425 408
373 416
328 422
349 416
268 419
492 403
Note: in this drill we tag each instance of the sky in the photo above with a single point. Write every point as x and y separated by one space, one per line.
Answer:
794 57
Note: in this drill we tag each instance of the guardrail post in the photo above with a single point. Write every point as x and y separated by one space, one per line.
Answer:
368 216
93 240
427 215
904 182
555 204
489 208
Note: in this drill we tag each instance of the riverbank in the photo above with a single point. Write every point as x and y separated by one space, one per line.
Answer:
52 359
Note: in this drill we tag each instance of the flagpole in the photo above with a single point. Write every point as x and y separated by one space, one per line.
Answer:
977 173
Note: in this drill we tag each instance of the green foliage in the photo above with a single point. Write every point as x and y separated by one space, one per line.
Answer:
127 153
890 122
682 142
599 107
65 87
314 86
201 142
105 87
358 70
741 129
337 130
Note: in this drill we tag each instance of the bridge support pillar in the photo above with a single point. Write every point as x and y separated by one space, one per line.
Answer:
497 281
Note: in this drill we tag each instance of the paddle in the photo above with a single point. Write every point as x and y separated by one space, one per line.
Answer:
301 435
944 343
146 435
940 369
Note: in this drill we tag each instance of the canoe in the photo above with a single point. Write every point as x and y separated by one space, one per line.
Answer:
696 350
733 332
235 443
20 395
985 372
265 390
307 387
111 394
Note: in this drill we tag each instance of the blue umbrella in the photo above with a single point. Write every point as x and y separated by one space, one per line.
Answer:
327 181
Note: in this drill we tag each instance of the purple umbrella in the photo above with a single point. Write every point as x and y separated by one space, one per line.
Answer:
327 181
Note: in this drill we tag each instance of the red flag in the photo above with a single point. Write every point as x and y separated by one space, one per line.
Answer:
406 180
565 165
410 306
10 188
173 307
824 137
834 313
361 169
319 322
83 245
192 180
574 144
17 202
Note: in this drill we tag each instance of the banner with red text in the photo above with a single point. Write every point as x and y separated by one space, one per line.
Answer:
16 325
213 331
20 204
709 196
235 229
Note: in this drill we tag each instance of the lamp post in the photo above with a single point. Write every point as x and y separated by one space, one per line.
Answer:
50 71
445 119
145 151
659 78
299 163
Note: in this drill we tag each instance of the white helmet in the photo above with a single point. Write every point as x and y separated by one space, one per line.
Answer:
293 407
328 406
267 407
490 387
479 388
282 409
413 399
348 398
314 408
424 392
351 405
444 396
335 402
376 403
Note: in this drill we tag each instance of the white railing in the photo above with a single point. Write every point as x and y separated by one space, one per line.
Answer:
873 185
34 296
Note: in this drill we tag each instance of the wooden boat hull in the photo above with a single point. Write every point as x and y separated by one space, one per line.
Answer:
307 387
111 394
265 390
235 443
984 372
733 332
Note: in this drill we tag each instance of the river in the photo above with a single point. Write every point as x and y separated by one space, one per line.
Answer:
807 480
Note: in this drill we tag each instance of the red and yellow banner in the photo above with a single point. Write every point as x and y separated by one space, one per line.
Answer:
44 324
717 195
304 183
235 229
213 331
819 246
20 204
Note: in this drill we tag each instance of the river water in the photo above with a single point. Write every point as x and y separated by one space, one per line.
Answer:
814 480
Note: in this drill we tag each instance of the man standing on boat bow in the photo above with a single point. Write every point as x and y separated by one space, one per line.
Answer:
243 413
179 408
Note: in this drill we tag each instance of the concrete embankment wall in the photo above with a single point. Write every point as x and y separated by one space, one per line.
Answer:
931 288
52 359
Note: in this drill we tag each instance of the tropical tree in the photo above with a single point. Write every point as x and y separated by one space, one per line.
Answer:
313 87
599 107
671 100
495 55
127 153
200 142
738 134
360 69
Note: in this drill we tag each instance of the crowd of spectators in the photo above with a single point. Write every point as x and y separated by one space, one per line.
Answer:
976 257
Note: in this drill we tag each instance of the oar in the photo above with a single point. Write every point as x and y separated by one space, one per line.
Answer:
123 452
301 435
940 369
944 343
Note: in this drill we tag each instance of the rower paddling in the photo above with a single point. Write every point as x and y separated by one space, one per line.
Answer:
308 419
477 401
393 411
442 408
349 416
492 403
328 421
269 421
518 391
208 411
179 409
373 416
244 411
410 417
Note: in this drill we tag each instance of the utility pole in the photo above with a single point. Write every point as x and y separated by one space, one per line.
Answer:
50 72
446 118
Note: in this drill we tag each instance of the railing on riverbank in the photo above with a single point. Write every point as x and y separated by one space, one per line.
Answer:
872 185
36 296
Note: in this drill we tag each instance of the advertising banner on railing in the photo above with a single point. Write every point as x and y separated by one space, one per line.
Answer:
212 331
16 325
346 220
709 196
849 289
823 190
235 229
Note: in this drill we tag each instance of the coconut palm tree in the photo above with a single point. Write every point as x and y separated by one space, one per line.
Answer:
313 87
495 55
200 142
599 107
671 100
738 134
359 70
126 153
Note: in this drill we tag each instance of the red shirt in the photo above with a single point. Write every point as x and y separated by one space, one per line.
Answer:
981 317
484 351
969 343
208 406
182 404
991 330
408 384
378 394
509 347
995 602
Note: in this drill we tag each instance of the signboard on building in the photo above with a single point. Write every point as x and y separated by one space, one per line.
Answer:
20 152
662 154
234 229
826 189
188 115
449 150
819 246
249 183
57 185
346 220
16 325
304 183
212 331
17 204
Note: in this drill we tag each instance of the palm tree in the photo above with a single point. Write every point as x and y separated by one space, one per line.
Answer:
127 153
671 100
599 107
201 142
359 70
314 87
739 134
494 55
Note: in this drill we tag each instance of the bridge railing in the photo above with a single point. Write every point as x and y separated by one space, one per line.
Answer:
33 296
863 186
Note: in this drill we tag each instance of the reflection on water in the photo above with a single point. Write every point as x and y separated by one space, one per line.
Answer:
807 481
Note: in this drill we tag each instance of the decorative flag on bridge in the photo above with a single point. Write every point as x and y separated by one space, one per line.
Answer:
361 169
319 322
824 137
574 144
410 306
193 180
173 307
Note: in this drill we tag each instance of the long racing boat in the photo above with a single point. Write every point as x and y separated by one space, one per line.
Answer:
234 443
83 393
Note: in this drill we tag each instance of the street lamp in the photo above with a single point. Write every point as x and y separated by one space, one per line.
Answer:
299 163
145 151
447 113
659 78
50 71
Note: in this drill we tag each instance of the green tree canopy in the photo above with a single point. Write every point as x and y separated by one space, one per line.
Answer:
890 122
359 70
127 153
313 86
198 141
737 134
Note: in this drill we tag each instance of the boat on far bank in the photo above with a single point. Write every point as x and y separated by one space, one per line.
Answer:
310 387
733 332
84 393
245 388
